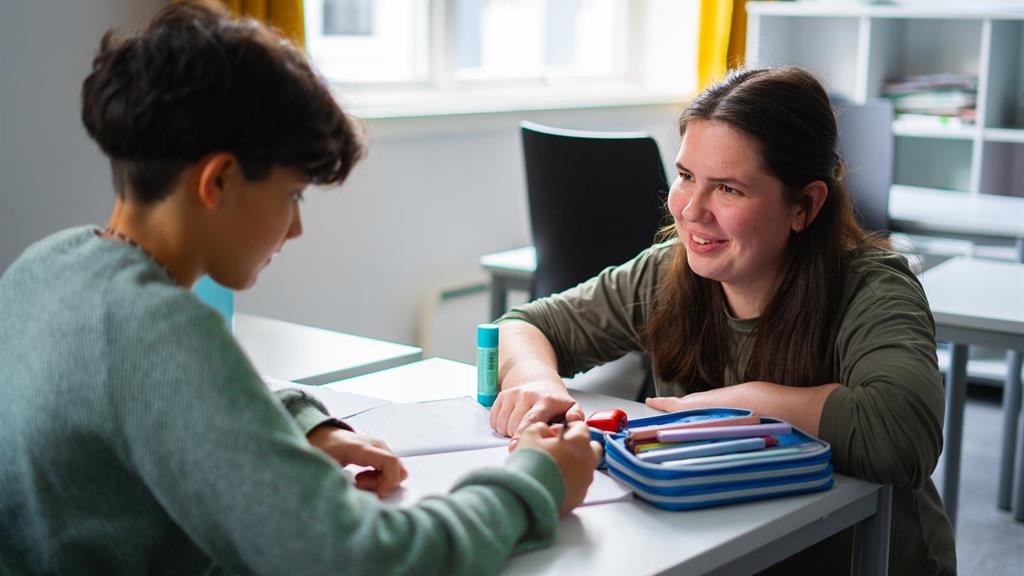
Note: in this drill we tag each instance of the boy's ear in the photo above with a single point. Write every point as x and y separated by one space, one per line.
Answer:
215 172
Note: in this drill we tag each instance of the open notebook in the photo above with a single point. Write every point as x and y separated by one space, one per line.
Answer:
439 441
409 429
436 474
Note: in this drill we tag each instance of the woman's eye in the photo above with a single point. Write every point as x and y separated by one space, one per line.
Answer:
686 177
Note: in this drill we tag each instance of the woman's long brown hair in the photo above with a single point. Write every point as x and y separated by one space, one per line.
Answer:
787 112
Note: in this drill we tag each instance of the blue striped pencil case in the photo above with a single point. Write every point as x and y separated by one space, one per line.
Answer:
806 466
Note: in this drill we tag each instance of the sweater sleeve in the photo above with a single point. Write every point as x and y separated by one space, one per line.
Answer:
234 471
307 411
885 422
601 319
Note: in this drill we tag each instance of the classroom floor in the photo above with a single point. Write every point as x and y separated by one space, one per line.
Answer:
989 541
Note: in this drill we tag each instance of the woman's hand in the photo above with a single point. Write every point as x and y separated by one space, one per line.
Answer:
575 453
717 398
801 406
347 447
543 401
666 403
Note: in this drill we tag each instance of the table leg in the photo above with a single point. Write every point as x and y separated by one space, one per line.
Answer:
956 392
499 296
871 538
1016 478
1018 484
1011 413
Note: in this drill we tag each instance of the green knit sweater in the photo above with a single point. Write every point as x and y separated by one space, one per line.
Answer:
137 438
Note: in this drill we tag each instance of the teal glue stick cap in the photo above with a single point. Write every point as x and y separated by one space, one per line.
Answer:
487 335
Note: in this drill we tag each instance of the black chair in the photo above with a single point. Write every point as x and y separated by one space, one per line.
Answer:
596 200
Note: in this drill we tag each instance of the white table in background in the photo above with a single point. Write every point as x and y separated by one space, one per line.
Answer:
911 209
633 537
980 302
509 270
928 211
314 356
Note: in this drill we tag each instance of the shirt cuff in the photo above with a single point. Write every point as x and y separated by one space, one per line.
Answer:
829 426
306 410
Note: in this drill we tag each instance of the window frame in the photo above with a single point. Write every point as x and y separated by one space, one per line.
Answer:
442 92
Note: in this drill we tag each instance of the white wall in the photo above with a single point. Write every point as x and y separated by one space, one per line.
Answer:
433 195
51 175
431 198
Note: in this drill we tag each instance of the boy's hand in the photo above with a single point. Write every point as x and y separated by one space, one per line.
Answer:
574 452
347 447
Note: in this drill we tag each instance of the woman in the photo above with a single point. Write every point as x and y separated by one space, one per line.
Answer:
770 297
137 436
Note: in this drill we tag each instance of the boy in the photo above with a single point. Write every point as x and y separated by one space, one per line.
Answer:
137 436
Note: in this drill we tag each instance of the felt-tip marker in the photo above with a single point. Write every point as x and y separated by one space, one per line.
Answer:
780 428
712 449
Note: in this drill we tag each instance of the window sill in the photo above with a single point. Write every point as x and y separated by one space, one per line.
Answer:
422 103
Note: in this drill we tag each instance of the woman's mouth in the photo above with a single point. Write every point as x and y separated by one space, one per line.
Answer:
701 244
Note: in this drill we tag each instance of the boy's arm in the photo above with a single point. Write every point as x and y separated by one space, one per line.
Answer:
234 471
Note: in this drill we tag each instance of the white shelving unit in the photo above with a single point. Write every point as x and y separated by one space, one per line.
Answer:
854 48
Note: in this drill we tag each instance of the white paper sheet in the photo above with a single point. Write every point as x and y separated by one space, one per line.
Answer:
341 405
452 425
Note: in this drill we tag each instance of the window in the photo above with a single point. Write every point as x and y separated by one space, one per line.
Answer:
462 47
363 41
542 39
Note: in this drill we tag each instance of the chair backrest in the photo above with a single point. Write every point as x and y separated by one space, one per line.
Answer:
596 200
866 146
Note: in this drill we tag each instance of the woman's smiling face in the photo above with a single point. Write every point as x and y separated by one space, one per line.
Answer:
730 213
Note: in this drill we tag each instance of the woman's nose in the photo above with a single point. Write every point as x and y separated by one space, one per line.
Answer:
695 209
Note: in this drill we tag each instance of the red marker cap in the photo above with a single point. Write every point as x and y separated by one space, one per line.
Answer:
614 420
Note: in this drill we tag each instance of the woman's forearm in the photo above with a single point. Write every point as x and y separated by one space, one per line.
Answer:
801 407
524 355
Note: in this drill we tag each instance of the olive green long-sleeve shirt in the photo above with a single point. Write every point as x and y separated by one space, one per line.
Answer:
136 438
884 423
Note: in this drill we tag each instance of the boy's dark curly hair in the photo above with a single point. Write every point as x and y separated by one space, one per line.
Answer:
198 80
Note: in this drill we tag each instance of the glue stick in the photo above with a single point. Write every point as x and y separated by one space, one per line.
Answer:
486 364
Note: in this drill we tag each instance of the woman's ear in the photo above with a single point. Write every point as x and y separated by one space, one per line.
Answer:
812 198
215 171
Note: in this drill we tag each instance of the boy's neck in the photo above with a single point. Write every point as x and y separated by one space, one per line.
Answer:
157 230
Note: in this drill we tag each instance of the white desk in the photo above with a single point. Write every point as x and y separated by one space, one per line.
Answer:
980 302
924 210
636 538
310 355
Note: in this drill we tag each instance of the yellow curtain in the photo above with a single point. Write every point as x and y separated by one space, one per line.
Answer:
285 15
722 39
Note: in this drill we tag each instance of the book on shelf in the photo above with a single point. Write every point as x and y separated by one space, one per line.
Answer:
949 95
912 120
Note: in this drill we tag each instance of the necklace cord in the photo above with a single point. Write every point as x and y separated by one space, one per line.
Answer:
125 239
